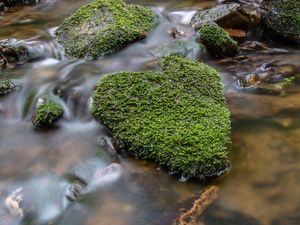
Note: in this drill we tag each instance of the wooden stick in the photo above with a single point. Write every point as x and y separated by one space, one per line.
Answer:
206 198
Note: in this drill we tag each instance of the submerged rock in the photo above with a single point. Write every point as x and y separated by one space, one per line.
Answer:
47 113
189 49
6 86
218 41
177 117
225 15
283 17
103 27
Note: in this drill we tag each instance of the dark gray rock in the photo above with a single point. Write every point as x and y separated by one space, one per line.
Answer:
283 17
225 15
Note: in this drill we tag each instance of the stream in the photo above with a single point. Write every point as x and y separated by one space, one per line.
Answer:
70 175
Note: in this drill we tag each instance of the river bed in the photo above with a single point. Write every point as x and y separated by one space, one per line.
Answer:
44 170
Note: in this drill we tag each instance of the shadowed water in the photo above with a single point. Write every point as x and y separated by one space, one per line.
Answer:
71 175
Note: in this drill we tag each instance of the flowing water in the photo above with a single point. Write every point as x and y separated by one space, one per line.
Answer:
70 175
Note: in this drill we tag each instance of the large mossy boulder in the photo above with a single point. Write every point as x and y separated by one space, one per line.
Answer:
217 40
103 27
283 17
177 117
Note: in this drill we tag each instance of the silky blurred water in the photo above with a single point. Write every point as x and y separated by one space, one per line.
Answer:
71 175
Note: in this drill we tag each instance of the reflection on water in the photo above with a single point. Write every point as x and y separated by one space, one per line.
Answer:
71 174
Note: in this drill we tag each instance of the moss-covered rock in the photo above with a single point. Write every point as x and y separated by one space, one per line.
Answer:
6 86
47 113
283 17
177 117
217 41
103 27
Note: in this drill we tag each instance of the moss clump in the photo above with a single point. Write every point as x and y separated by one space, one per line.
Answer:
47 114
283 17
103 27
177 117
6 86
218 41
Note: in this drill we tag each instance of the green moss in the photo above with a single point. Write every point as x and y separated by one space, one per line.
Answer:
6 86
103 27
218 41
47 114
177 117
283 17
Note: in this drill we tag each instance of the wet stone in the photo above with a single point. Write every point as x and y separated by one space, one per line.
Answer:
91 175
225 15
38 200
12 51
188 49
6 86
283 17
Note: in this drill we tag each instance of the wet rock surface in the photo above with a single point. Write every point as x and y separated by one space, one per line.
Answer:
225 15
11 52
188 49
283 17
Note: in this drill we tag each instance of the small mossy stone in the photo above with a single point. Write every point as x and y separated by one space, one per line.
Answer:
283 17
217 41
47 113
6 86
177 117
103 27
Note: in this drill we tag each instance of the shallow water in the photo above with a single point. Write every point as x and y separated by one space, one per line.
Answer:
71 175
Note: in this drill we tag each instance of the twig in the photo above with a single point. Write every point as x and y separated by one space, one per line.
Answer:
206 198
